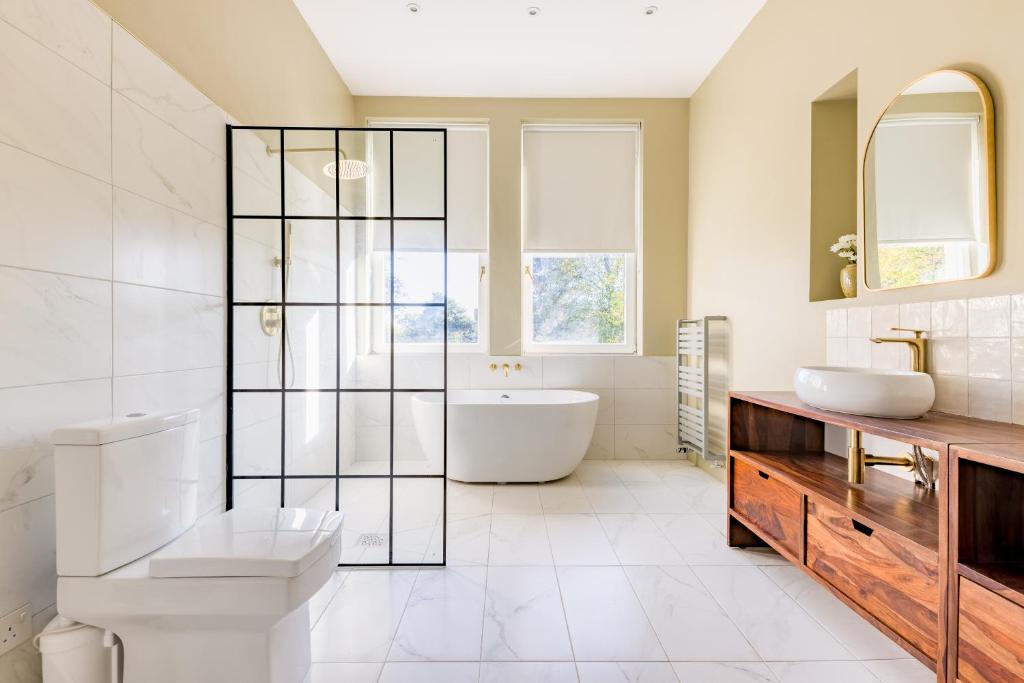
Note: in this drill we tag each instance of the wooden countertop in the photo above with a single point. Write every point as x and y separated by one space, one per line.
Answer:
936 431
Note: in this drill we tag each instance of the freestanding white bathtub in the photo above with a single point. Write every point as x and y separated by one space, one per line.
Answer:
507 436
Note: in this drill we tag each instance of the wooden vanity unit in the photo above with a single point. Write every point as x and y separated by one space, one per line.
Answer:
931 571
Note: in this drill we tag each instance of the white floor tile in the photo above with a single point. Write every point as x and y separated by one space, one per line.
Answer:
596 472
816 672
522 499
322 598
444 617
901 671
632 471
636 540
534 672
579 540
562 497
469 538
430 672
723 672
344 673
470 499
626 672
705 496
701 544
688 621
856 634
773 623
519 540
610 497
606 621
523 617
360 622
659 497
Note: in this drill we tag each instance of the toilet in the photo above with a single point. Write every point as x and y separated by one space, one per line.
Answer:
215 600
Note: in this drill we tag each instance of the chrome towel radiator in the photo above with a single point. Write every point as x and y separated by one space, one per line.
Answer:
702 376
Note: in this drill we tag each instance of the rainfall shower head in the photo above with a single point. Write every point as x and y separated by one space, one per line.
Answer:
350 169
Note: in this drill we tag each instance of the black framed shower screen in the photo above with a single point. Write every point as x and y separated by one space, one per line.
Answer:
276 215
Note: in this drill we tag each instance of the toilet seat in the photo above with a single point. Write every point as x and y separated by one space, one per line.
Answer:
225 601
271 542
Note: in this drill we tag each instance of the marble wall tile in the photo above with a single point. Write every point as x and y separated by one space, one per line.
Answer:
159 330
52 108
26 456
156 161
645 372
75 29
28 564
602 445
158 246
606 405
571 372
144 78
201 388
641 442
645 407
53 218
59 328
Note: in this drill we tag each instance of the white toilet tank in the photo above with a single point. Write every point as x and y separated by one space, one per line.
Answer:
125 487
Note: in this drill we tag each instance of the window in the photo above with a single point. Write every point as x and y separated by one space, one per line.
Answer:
419 255
581 208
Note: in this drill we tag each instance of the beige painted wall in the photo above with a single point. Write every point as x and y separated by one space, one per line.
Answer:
750 165
257 59
665 123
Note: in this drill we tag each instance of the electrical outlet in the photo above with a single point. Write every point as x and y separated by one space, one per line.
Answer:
15 628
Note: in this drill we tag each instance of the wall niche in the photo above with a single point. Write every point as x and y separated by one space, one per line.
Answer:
833 183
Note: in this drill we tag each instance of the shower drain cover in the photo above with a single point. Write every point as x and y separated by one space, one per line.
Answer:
372 540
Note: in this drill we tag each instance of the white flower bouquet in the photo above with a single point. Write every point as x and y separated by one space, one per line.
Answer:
846 247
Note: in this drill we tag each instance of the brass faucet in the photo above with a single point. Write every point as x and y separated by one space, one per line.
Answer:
858 460
918 355
505 367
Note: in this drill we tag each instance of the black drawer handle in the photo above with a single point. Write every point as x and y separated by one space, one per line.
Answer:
762 475
863 528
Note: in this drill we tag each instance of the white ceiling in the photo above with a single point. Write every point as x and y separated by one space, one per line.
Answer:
494 48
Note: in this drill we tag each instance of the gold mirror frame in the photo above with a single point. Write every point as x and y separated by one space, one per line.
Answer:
988 119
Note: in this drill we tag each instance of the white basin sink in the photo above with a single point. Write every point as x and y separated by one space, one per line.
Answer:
876 393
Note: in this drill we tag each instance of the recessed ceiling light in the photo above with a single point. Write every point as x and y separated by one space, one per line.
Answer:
413 7
651 9
533 11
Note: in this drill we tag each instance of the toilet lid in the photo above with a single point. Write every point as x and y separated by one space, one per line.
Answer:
280 542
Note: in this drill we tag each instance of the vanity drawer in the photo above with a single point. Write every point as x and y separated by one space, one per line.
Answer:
773 506
991 636
893 580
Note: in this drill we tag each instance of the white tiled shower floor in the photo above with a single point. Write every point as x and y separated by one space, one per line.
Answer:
618 573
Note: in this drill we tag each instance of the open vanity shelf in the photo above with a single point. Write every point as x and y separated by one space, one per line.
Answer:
884 547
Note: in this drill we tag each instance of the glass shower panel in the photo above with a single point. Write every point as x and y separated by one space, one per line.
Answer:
309 183
337 332
255 172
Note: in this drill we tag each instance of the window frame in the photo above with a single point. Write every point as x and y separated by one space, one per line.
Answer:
633 297
379 344
630 307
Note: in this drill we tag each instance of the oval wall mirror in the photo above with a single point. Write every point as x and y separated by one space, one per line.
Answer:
929 185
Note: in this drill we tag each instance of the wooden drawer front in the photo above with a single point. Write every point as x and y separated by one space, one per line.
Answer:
769 503
991 637
896 582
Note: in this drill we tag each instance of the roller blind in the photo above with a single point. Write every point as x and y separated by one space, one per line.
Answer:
927 179
419 179
580 186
